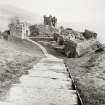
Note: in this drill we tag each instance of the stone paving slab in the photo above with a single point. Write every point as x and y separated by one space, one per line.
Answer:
44 85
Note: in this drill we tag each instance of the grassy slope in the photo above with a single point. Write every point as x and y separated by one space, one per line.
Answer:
89 75
16 58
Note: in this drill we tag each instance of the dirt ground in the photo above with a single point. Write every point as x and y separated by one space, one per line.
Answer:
16 58
88 73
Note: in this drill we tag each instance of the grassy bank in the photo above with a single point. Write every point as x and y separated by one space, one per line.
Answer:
16 58
88 73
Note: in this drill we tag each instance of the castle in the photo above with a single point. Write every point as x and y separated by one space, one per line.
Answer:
19 29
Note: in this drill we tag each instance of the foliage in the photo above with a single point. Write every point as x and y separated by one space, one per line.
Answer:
60 40
89 34
34 31
70 48
55 36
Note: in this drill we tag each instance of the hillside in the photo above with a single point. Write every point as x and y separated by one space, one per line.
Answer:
7 12
88 73
16 58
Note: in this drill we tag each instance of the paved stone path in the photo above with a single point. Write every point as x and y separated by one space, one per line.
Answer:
46 84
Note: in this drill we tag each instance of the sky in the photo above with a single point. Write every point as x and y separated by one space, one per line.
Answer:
79 14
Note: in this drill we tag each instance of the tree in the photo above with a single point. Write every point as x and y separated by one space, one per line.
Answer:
61 29
34 30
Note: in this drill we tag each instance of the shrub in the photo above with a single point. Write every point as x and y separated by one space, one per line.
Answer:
55 36
70 49
34 31
89 34
60 40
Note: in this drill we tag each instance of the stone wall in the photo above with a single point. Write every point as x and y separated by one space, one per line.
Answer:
85 42
19 30
72 34
46 30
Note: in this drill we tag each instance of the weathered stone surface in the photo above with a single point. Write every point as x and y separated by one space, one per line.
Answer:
79 48
72 34
45 30
78 43
47 84
88 46
19 29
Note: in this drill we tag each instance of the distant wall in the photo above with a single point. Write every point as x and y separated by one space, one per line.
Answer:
42 38
19 30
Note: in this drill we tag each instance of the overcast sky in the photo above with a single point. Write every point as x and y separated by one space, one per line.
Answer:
66 10
91 13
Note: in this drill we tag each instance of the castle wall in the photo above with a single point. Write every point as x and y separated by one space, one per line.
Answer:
19 30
